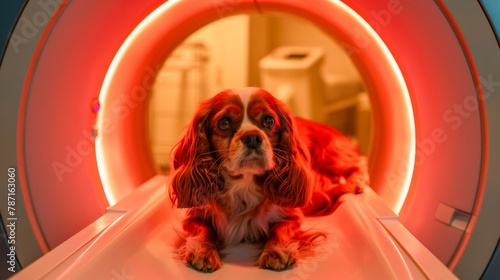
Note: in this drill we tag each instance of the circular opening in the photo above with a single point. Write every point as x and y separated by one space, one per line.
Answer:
124 159
263 52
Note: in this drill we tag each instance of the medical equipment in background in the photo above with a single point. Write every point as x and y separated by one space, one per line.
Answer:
294 75
180 86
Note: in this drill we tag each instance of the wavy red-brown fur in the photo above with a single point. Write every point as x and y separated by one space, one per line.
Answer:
195 182
289 184
336 165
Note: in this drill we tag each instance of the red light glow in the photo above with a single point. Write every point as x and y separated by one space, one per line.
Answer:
377 55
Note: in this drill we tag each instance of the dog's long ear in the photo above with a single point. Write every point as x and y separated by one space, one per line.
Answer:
195 180
289 184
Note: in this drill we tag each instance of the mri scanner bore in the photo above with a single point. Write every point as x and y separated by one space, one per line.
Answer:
429 211
295 69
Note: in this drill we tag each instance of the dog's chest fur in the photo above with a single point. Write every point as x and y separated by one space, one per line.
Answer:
244 214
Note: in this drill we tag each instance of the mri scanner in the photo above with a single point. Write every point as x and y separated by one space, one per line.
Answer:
88 202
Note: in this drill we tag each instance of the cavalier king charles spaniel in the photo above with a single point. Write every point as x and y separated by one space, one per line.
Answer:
249 172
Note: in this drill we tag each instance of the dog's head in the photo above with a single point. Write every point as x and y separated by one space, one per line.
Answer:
241 132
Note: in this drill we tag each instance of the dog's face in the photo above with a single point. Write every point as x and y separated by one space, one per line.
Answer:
245 131
241 132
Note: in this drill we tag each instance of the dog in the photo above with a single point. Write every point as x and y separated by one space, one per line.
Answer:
249 172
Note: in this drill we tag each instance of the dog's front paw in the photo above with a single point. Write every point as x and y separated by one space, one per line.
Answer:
354 184
207 261
201 256
276 257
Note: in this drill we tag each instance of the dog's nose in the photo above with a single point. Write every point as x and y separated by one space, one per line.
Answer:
252 140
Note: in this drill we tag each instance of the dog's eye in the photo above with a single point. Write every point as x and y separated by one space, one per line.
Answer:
268 122
224 124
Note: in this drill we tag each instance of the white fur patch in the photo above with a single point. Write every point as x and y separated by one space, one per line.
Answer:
243 214
245 94
246 216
